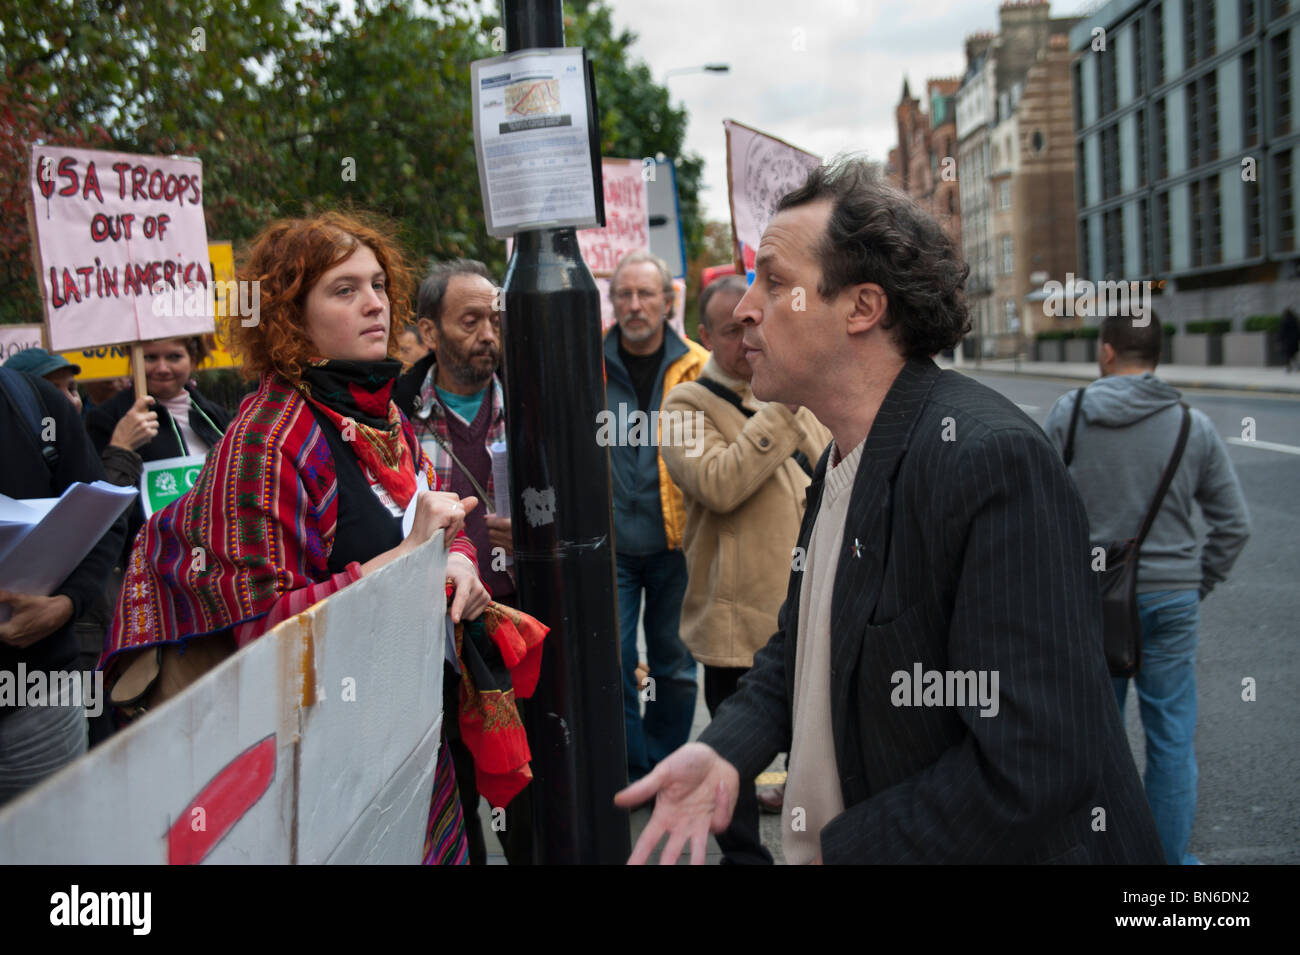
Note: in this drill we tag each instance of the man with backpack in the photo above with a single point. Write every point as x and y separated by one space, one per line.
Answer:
46 450
1125 436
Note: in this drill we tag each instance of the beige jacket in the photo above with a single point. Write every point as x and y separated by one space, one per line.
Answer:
744 499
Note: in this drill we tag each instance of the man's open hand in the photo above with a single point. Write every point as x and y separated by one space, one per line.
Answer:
696 793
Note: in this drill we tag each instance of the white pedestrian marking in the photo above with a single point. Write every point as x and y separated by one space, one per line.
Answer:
1264 445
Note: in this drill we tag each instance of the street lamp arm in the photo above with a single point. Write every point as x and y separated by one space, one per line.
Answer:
702 68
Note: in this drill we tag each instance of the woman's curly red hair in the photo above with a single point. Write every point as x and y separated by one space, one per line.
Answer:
287 258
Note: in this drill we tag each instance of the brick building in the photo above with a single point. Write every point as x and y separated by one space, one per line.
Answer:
924 163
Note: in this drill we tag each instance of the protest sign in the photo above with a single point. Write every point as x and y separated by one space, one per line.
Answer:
760 170
221 257
16 338
165 480
627 217
120 242
110 361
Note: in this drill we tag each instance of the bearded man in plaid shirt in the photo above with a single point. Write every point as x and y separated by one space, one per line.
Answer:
455 401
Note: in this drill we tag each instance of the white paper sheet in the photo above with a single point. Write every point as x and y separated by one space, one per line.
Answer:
44 555
500 479
408 519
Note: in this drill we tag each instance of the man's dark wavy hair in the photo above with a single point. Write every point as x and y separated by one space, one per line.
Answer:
877 234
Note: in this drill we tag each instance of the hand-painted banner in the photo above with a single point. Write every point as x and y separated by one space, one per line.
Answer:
627 217
760 170
117 235
16 338
111 361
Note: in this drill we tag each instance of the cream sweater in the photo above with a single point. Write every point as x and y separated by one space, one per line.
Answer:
812 791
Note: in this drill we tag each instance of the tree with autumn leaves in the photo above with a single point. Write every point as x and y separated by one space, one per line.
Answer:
294 107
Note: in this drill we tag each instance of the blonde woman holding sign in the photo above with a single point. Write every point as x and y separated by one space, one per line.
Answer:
189 423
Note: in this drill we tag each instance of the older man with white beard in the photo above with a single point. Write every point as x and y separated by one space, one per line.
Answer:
644 360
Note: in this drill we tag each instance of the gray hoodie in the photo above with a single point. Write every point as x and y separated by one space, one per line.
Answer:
1126 433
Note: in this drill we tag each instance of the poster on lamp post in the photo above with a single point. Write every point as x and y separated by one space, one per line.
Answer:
535 141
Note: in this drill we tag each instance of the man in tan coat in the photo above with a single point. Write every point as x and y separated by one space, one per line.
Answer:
743 480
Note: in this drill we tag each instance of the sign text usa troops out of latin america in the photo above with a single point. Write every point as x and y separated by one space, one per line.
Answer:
115 231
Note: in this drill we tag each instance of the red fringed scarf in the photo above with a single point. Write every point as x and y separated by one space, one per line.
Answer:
355 396
382 451
500 654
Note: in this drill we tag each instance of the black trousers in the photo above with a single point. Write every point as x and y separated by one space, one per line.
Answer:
741 844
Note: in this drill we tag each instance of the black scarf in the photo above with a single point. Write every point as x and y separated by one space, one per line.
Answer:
359 390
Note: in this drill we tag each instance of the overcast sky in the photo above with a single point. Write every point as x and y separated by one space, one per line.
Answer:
838 93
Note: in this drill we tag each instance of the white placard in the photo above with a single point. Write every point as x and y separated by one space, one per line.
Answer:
627 217
317 742
123 246
761 169
16 338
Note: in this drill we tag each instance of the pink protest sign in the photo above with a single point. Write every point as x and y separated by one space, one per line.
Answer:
627 217
760 170
16 338
123 247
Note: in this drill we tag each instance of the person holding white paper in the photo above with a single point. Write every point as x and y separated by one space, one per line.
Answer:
137 426
456 403
46 451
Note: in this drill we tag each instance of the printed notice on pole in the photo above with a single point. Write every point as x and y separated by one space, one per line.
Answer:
532 137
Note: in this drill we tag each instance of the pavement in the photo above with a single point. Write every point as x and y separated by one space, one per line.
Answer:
1267 380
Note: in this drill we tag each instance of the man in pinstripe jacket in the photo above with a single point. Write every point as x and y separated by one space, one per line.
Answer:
937 673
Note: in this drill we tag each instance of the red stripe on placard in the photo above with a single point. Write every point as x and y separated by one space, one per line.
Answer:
230 794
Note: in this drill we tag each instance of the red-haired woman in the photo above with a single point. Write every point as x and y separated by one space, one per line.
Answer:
304 493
